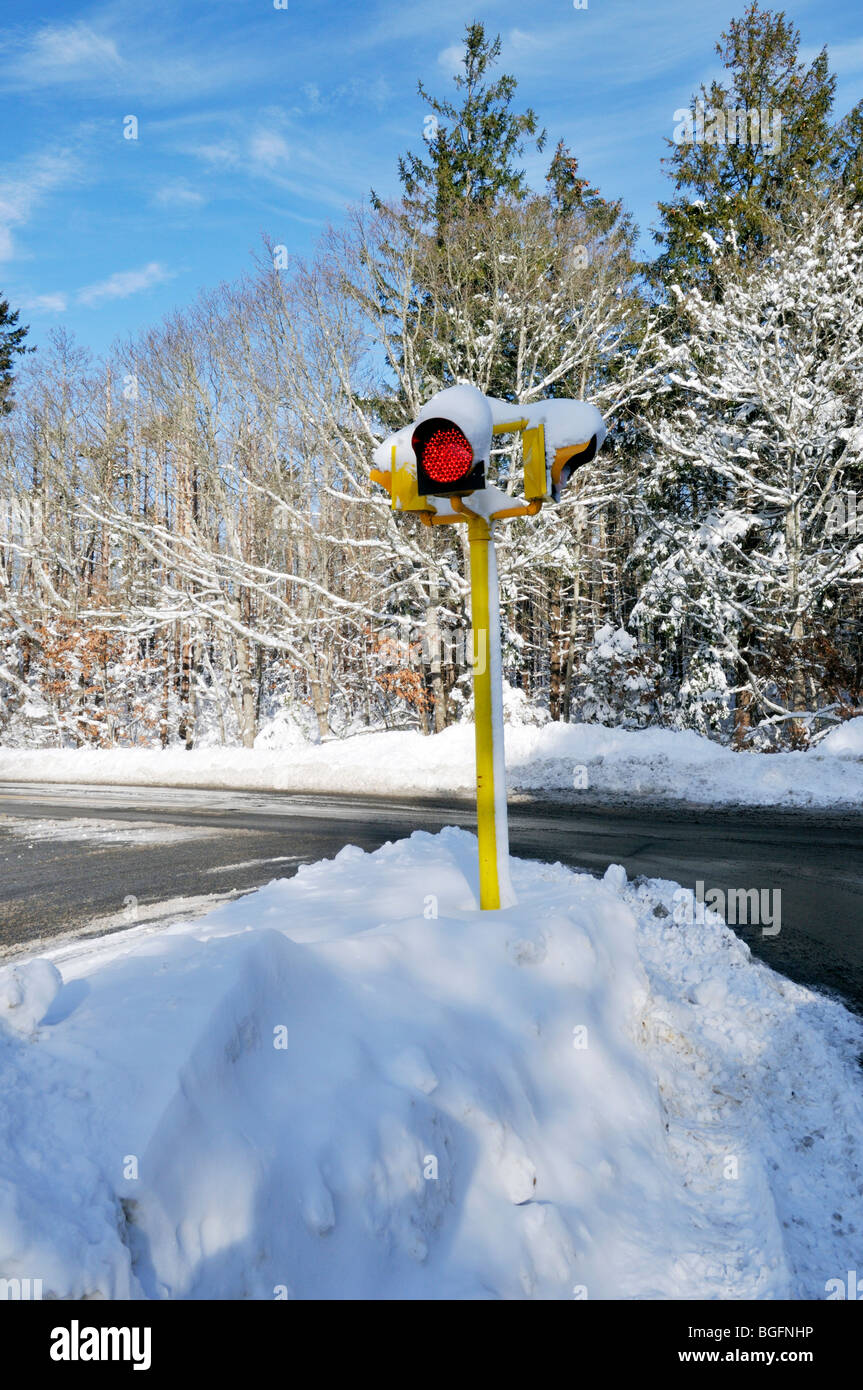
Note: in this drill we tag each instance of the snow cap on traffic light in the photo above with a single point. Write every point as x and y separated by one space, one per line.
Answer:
558 436
574 432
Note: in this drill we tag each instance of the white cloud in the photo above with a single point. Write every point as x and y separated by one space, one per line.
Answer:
269 148
22 190
219 152
262 151
520 38
46 303
124 283
179 194
273 149
153 59
66 53
375 92
450 59
359 91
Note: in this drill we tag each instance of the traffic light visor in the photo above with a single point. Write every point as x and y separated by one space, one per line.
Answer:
567 460
442 450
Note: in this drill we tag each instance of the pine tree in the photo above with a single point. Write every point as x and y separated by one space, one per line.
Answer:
472 145
468 173
11 344
746 172
848 157
569 193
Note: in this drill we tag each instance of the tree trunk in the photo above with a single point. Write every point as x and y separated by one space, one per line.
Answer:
570 651
433 639
555 698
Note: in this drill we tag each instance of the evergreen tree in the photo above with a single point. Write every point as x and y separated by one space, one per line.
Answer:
11 344
469 171
746 172
473 145
569 193
848 157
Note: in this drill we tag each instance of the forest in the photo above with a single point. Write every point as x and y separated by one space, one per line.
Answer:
190 545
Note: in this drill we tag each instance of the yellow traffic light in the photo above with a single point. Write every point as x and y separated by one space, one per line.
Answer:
535 471
557 436
400 477
405 495
448 447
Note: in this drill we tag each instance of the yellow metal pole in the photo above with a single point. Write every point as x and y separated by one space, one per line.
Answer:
479 536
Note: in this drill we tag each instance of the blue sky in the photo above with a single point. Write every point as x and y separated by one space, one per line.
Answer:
253 119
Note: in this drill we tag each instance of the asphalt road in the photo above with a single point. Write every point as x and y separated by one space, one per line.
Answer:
59 878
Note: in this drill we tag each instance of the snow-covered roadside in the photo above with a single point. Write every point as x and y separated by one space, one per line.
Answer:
582 759
352 1084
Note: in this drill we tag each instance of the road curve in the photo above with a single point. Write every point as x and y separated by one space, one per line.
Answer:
54 880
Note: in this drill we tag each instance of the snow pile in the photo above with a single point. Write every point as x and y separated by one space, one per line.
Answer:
27 992
562 758
352 1084
846 741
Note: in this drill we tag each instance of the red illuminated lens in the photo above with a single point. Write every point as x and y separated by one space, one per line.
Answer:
446 454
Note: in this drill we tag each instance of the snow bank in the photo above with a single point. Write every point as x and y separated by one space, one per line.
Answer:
352 1084
27 992
846 741
576 758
